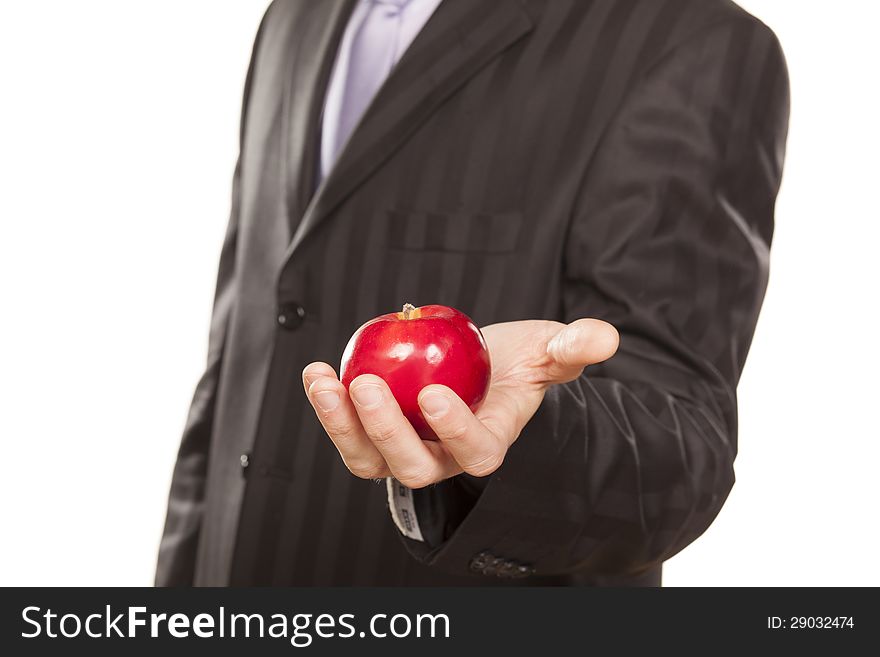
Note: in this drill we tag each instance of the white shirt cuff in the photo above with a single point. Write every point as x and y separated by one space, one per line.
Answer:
403 509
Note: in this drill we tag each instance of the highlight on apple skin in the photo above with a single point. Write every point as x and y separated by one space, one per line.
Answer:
418 347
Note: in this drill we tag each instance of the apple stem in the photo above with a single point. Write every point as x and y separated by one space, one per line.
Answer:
409 311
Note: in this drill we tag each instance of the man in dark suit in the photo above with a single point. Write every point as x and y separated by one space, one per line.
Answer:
535 164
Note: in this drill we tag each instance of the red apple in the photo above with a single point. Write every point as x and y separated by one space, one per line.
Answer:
415 348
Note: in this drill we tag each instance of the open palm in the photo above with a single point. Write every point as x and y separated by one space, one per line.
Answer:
375 440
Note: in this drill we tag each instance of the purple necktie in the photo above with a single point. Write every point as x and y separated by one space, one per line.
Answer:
371 57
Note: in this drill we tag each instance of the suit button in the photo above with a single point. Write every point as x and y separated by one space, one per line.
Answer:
480 561
507 569
291 316
493 568
522 571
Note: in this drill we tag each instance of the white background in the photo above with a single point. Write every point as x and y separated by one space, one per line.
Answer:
118 136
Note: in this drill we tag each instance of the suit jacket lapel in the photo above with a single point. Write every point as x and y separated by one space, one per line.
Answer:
313 53
459 39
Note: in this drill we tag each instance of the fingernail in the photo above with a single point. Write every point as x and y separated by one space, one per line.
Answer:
434 404
326 400
367 395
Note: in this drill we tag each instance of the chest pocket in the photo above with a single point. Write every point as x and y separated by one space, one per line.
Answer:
454 232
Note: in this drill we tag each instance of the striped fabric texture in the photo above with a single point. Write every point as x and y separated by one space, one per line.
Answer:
526 159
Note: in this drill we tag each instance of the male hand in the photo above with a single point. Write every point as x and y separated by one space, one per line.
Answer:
375 440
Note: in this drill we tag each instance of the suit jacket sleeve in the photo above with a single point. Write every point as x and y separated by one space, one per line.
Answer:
177 549
669 241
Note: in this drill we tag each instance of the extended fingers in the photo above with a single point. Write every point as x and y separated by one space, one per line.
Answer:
337 415
411 462
474 447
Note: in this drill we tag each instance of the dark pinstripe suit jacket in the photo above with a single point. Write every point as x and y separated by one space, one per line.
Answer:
551 159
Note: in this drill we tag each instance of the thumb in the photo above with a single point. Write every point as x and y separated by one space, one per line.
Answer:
579 344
